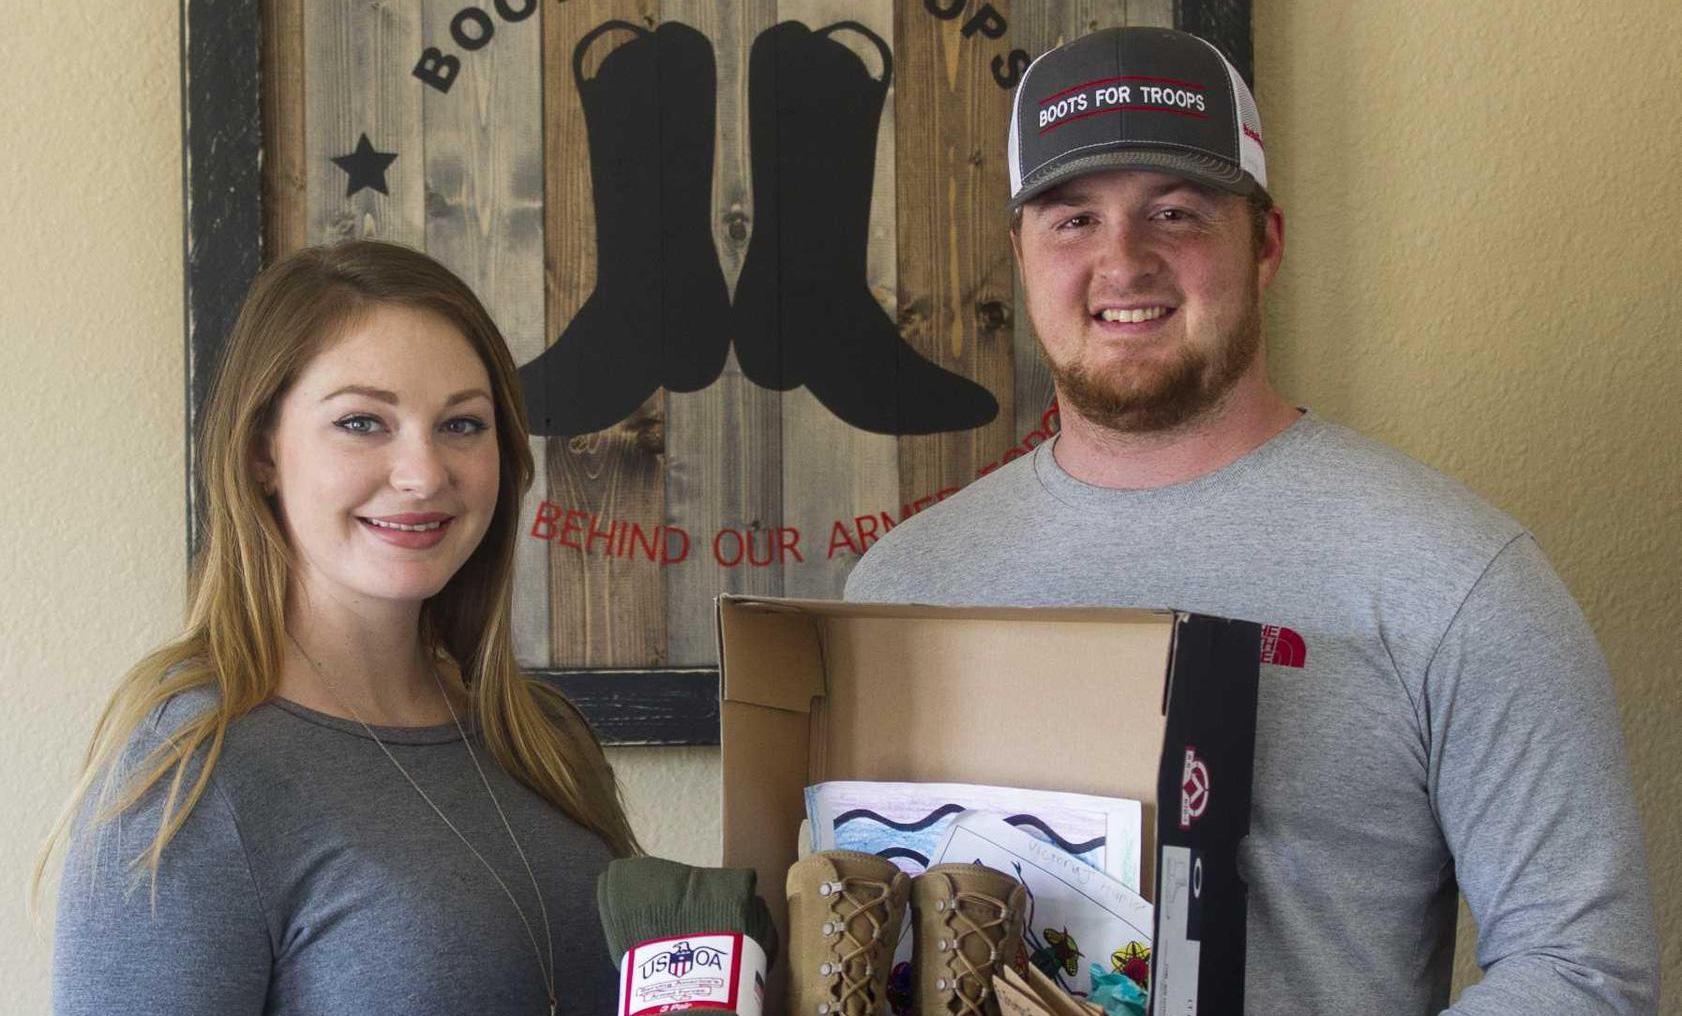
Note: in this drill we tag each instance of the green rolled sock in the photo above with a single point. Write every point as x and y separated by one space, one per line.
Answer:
644 898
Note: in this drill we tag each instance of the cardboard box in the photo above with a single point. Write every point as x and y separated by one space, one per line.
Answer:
1158 706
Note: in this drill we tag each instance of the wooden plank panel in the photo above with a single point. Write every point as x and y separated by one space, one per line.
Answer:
1225 24
484 219
1036 28
285 173
833 471
956 281
676 706
723 463
357 59
604 610
1149 13
222 159
1034 390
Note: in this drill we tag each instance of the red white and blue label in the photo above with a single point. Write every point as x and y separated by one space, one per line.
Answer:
692 973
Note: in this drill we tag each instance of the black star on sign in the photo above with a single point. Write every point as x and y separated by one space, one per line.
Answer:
365 166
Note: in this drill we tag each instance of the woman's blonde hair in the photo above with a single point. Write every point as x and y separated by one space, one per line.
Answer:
235 627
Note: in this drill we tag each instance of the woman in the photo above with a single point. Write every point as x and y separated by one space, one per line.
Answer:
336 792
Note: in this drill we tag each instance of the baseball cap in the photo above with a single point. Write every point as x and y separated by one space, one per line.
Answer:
1134 98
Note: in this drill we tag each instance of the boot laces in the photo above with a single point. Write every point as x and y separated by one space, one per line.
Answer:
971 982
856 993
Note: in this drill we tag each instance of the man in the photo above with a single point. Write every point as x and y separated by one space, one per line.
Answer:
1449 721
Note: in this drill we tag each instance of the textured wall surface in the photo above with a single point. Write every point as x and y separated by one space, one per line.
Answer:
672 794
1482 269
91 532
1483 206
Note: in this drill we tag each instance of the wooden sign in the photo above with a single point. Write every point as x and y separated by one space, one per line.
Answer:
753 257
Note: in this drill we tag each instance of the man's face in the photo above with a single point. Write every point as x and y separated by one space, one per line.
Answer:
1145 293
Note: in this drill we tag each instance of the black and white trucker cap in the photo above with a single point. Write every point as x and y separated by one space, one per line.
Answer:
1134 98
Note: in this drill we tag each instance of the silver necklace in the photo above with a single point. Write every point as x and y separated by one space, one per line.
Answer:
547 970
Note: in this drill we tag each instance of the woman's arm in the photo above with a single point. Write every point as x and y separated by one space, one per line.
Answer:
201 946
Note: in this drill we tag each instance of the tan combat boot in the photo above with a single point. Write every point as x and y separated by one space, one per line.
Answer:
968 925
844 914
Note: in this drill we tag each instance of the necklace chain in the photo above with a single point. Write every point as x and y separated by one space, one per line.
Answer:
547 970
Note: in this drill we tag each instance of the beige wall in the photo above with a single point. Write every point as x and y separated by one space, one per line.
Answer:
1483 269
91 533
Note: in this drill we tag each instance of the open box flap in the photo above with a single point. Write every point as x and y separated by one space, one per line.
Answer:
851 608
783 665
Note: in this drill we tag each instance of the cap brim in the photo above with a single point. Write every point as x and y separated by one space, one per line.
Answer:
1199 168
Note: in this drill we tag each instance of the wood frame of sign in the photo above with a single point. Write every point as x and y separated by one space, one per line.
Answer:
229 76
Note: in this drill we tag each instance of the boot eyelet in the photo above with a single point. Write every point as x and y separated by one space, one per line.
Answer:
829 927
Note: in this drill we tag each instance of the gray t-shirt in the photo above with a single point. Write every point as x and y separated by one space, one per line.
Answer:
1446 717
312 878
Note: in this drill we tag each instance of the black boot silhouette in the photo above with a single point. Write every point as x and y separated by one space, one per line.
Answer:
660 312
803 311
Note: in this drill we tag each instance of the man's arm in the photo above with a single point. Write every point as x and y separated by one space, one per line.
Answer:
1531 787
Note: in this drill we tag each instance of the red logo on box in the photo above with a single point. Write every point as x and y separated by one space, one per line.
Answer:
1194 789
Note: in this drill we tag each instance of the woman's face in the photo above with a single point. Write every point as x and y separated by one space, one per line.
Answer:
384 460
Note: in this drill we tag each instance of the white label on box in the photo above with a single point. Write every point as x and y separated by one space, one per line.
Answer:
683 973
1174 959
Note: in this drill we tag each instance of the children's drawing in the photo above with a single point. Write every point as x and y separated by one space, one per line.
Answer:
1074 911
906 822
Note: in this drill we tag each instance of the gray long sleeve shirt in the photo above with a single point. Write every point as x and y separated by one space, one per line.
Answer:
312 878
1449 719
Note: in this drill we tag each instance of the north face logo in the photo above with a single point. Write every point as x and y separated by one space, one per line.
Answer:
1283 647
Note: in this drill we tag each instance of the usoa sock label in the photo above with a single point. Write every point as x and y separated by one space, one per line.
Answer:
681 973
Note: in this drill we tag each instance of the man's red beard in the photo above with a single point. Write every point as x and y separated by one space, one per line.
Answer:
1168 397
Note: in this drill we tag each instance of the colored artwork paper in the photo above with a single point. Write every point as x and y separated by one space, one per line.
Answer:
906 822
1077 916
